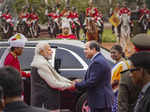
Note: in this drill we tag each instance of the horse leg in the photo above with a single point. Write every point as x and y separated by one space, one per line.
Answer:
77 32
128 45
90 37
98 37
128 40
117 35
122 43
87 36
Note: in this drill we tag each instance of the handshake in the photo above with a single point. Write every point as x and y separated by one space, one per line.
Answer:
72 87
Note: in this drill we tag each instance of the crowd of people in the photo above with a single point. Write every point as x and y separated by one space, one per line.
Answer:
123 88
108 90
119 11
67 17
22 23
70 18
127 23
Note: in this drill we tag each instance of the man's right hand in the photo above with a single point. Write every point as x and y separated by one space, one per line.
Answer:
72 87
77 80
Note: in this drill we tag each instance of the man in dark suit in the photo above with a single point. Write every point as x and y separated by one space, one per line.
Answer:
97 80
10 81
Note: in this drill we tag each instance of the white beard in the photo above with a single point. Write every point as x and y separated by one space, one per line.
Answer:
48 57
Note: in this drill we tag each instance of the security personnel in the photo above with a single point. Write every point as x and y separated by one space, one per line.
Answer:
24 15
144 11
126 98
140 73
124 10
7 17
141 42
127 11
91 11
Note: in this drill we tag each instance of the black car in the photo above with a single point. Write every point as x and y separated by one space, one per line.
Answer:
69 60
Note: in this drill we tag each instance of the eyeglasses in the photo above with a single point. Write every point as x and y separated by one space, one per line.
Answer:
131 70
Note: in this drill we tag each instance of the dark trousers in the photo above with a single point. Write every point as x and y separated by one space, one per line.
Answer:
100 110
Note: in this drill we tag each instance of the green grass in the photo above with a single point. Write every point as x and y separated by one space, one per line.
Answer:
148 32
108 36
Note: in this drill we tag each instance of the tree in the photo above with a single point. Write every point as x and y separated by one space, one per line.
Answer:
148 3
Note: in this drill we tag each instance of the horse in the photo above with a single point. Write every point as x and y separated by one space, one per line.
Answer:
125 32
75 28
51 27
92 29
6 30
144 24
141 24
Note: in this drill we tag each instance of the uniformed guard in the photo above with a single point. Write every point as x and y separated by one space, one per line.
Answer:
141 42
140 73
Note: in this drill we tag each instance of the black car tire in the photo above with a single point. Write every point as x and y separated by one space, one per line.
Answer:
80 103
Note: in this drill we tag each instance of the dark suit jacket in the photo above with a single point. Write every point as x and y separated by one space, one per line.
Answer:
20 106
97 83
144 103
128 93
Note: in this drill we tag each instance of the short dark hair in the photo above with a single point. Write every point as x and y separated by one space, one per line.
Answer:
93 44
10 80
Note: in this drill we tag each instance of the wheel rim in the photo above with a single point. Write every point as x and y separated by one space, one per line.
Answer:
85 107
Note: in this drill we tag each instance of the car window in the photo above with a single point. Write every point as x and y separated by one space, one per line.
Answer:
26 57
68 60
2 51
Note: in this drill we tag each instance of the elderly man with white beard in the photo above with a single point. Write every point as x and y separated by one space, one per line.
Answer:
46 83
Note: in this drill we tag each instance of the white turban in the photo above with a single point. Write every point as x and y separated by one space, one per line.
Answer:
65 25
18 40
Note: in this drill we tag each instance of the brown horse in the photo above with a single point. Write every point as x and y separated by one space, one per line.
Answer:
92 30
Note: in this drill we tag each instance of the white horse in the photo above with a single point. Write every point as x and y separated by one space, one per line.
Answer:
125 32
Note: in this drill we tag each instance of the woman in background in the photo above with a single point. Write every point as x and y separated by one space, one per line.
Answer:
121 64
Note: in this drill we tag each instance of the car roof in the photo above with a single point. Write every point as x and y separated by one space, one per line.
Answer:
63 41
76 43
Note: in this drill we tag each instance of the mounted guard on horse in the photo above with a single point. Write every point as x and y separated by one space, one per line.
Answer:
6 25
93 24
53 22
144 16
126 27
75 24
141 18
22 26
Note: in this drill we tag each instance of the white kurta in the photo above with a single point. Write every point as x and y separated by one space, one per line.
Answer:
47 73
